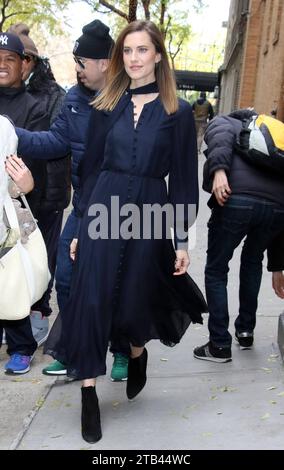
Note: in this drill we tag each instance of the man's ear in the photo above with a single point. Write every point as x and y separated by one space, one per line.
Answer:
104 63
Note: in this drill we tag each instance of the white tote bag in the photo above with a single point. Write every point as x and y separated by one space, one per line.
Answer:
24 273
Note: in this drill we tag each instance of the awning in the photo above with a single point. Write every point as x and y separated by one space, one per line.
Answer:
200 81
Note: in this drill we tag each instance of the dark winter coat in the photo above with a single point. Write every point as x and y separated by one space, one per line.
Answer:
25 111
67 134
244 178
58 184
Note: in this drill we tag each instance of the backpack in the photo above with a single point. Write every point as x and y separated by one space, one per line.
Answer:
261 142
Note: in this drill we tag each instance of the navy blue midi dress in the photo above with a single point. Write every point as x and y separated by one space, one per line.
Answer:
123 290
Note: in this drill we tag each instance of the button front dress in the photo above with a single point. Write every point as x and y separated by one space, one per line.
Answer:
123 288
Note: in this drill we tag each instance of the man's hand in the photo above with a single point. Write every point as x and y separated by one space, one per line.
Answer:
278 283
221 188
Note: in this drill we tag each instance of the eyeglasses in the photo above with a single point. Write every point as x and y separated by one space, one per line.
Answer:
80 62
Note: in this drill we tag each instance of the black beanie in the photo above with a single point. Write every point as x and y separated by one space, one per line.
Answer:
95 42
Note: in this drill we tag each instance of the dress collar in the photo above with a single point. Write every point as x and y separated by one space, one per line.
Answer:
144 90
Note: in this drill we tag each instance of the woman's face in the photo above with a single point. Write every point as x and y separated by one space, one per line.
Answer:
140 57
29 63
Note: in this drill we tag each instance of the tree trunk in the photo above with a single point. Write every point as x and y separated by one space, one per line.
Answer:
132 10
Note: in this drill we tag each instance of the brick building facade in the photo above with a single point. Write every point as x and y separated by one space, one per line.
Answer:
253 69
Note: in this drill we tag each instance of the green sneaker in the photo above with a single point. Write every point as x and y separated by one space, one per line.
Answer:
55 368
119 369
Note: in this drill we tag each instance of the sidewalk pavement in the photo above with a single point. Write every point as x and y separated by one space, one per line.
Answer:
187 403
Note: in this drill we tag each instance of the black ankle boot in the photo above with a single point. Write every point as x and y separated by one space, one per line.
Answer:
91 421
136 374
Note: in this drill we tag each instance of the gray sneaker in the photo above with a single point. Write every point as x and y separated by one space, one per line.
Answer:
40 326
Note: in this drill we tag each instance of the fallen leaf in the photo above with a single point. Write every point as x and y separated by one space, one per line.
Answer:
266 369
274 355
267 415
213 397
219 413
227 389
185 417
115 403
273 402
163 359
271 388
281 394
40 402
206 434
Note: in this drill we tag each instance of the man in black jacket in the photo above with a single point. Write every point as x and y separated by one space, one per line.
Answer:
247 203
26 112
21 107
40 83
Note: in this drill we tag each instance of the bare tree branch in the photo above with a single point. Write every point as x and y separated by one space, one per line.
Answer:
146 6
162 15
114 9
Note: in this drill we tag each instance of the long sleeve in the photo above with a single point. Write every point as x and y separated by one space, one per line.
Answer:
46 145
220 137
183 178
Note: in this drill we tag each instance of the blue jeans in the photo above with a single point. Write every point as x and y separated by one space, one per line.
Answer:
258 221
64 264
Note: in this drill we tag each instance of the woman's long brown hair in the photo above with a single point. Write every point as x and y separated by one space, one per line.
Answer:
118 80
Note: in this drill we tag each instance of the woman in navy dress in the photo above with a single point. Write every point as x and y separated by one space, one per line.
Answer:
130 284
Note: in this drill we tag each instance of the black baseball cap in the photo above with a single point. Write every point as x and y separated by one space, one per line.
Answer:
11 42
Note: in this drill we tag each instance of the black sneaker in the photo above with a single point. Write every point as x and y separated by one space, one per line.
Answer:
245 339
208 352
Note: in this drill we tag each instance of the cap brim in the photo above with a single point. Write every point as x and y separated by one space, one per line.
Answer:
12 50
